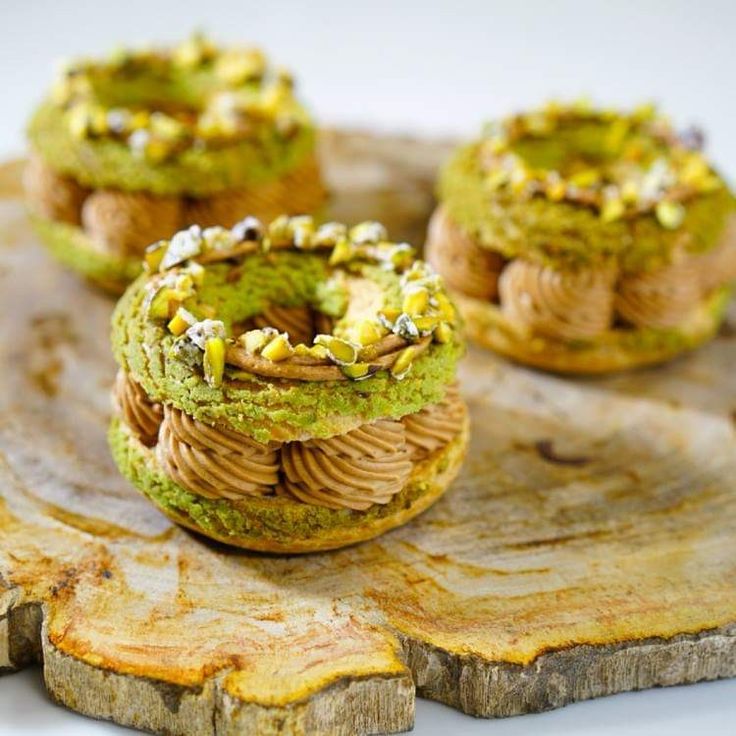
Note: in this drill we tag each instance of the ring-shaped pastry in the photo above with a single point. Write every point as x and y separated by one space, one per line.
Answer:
585 241
128 150
289 388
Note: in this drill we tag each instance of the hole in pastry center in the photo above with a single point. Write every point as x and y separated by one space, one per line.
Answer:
578 147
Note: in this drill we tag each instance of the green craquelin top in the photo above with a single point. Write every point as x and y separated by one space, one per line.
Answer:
572 186
195 119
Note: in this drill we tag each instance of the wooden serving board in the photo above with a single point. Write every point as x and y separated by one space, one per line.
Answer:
589 546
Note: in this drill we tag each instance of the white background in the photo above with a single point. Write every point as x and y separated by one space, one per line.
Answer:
440 67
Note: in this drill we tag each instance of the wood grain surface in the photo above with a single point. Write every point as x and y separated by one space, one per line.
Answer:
588 547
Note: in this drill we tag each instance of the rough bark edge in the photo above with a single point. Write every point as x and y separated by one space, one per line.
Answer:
361 705
497 689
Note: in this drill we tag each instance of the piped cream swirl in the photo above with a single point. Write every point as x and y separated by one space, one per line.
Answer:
366 466
568 305
661 298
139 413
435 425
298 191
215 462
465 266
125 223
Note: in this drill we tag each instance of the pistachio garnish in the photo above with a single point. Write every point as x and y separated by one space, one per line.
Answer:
670 214
214 360
330 234
244 99
249 229
181 321
278 349
367 332
402 364
339 351
368 232
357 371
254 340
637 154
200 332
184 245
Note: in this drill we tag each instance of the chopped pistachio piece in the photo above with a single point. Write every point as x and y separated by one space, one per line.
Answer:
302 229
670 214
367 332
442 333
254 340
404 327
445 308
184 245
248 229
279 232
154 255
163 304
343 252
278 349
214 360
613 209
319 352
340 351
426 323
416 301
403 362
368 232
181 321
200 332
329 234
356 371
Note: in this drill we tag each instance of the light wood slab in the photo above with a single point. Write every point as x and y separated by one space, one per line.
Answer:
589 546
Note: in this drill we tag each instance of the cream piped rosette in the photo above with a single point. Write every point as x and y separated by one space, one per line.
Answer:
586 240
293 371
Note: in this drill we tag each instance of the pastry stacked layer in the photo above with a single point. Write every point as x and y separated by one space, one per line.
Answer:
288 388
585 241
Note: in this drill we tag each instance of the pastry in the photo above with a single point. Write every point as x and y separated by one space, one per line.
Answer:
128 150
287 388
585 241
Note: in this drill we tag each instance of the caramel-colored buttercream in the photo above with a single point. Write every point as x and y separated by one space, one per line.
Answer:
661 298
465 266
380 356
125 223
569 305
717 267
132 404
366 466
215 462
50 195
435 425
299 191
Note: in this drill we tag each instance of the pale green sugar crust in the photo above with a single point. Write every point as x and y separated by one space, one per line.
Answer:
105 162
72 247
318 409
566 235
273 519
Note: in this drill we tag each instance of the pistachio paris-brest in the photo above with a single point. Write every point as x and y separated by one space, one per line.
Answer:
281 443
128 150
585 240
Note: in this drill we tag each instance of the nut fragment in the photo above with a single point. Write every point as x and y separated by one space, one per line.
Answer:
214 360
278 349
